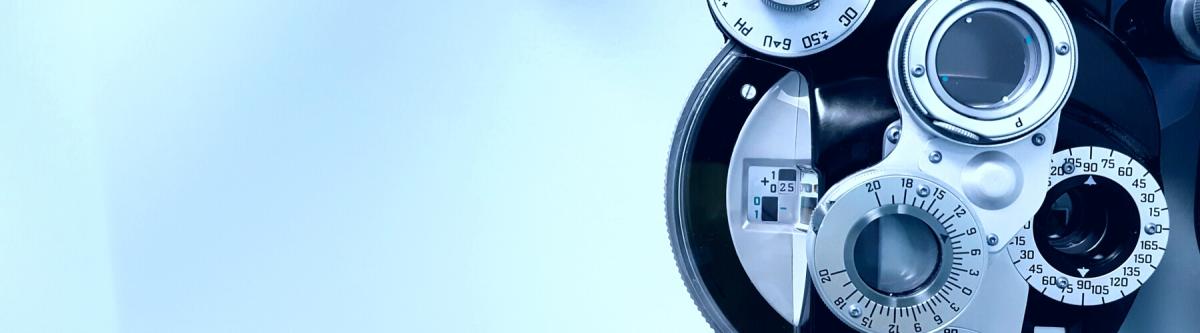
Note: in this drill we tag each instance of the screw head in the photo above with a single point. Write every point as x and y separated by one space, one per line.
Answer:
814 5
1151 229
1062 49
918 71
1068 168
749 92
935 157
993 240
893 134
1062 283
923 191
854 311
1039 139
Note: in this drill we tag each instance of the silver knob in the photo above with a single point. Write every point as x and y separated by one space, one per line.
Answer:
794 2
1184 18
790 5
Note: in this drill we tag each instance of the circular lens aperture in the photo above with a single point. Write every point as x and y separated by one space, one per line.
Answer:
896 254
987 58
1087 221
883 245
1100 233
983 72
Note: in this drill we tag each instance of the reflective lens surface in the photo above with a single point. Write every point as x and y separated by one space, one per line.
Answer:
896 254
986 59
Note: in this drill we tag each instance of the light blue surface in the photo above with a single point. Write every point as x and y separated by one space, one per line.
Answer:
342 166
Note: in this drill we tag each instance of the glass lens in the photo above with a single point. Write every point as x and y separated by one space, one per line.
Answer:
896 254
985 58
1087 221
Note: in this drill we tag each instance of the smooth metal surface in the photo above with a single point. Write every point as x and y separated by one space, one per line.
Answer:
930 136
992 180
778 129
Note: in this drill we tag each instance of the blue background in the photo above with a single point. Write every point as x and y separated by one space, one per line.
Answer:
342 166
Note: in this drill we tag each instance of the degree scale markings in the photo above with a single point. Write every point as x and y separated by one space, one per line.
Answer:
1095 289
788 31
960 270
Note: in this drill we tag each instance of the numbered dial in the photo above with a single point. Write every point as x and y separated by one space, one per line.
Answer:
789 28
896 254
1100 233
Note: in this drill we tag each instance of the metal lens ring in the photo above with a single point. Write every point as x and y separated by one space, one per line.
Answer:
896 253
1101 233
984 71
985 59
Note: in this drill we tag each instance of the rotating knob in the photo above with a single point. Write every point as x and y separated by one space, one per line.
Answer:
1184 18
794 2
788 4
789 28
1161 27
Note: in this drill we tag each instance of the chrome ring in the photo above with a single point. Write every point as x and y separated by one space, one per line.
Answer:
1034 76
927 288
1043 89
852 205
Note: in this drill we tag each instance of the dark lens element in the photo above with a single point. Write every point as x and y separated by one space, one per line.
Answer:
985 59
1087 222
896 254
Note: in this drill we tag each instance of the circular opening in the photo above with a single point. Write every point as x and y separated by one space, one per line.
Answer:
1088 225
897 254
987 58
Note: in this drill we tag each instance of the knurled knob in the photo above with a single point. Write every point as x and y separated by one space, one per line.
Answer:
1184 17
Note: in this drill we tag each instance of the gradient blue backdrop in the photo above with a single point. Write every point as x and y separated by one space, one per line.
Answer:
342 166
